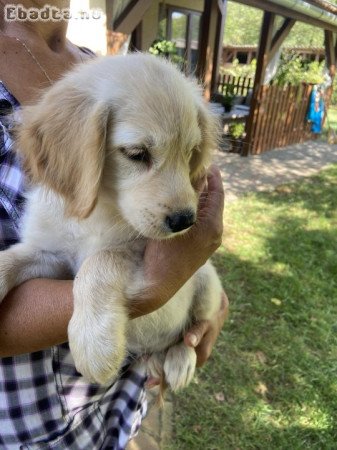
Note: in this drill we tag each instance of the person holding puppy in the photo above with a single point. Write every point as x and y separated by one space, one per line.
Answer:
43 400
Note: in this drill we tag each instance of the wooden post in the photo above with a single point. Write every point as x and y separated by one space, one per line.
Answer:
266 36
330 52
218 45
109 8
136 43
331 57
270 43
210 37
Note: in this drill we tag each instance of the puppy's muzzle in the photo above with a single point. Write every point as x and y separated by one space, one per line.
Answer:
180 220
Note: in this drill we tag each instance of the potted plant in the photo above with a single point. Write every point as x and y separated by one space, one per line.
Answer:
227 102
228 98
237 134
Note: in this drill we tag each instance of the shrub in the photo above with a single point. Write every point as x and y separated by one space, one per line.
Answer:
240 70
236 130
166 49
294 69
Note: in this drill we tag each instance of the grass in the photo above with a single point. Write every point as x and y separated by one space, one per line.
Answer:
331 121
272 380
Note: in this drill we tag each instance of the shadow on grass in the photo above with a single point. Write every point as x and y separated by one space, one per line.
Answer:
317 193
272 379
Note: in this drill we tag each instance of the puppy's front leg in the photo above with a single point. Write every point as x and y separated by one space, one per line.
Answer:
179 366
97 328
21 262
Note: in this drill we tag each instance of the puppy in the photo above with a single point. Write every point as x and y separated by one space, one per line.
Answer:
112 151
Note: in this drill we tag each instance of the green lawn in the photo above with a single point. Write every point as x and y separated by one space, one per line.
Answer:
331 120
272 381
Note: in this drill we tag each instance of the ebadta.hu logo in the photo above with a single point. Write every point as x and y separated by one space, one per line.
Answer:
51 13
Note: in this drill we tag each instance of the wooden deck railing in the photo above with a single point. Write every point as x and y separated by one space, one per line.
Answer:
228 84
279 118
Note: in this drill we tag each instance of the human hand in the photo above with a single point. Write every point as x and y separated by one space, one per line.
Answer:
203 335
168 264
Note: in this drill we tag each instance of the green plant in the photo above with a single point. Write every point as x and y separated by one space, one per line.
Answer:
236 130
227 102
334 93
227 99
294 69
240 70
167 49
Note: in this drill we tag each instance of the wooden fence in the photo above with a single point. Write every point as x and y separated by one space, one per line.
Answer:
279 118
230 85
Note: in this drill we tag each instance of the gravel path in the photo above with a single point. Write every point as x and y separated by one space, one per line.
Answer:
264 172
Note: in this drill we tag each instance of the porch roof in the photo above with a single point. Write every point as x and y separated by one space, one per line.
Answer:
319 13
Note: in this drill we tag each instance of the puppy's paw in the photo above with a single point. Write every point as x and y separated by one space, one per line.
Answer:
98 356
6 274
179 366
3 288
155 366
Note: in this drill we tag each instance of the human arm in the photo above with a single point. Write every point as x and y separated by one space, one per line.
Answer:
35 315
170 263
203 335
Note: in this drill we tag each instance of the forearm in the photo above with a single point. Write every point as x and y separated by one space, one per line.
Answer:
168 264
34 316
166 276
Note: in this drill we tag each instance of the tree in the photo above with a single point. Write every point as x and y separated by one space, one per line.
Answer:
243 25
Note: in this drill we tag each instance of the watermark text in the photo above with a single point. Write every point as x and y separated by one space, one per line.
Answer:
49 13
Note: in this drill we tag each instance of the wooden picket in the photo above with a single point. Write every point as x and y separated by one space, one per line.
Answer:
228 84
279 118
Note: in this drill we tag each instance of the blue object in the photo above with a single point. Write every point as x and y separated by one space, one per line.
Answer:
316 110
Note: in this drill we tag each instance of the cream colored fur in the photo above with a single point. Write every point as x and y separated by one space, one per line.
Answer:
92 207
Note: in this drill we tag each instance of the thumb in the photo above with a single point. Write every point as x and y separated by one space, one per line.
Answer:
196 333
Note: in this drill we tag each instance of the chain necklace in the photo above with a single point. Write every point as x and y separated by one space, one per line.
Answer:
36 61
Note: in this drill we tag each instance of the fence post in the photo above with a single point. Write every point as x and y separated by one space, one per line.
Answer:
266 36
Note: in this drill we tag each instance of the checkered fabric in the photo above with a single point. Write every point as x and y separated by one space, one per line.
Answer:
44 401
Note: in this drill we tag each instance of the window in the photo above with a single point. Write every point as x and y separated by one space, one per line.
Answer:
242 57
182 27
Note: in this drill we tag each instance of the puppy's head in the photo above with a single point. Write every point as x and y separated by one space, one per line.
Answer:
129 130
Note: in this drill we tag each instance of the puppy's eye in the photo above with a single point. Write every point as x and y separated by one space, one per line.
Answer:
137 154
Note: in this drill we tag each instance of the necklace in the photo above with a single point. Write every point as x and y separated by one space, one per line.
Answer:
25 46
36 61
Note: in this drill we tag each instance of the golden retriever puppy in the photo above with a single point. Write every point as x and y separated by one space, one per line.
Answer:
112 150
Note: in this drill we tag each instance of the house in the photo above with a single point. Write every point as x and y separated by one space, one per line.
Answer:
244 54
197 28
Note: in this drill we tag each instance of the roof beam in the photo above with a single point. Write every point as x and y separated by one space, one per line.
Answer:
132 15
327 6
280 36
288 12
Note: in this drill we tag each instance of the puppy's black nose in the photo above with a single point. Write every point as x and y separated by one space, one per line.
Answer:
180 220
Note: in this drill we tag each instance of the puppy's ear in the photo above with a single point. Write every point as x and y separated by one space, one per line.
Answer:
210 133
62 141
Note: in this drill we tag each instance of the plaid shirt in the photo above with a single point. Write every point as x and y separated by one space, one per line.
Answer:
44 402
